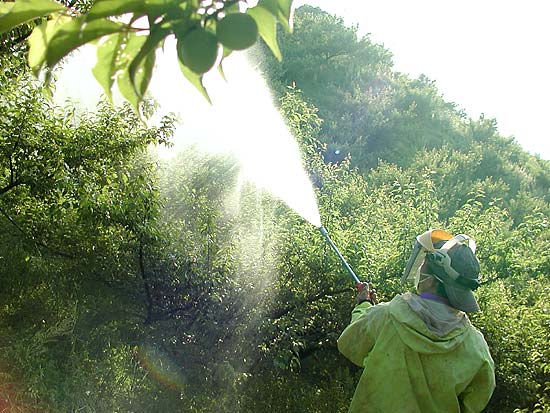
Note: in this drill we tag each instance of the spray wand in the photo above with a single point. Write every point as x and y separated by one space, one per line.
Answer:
358 283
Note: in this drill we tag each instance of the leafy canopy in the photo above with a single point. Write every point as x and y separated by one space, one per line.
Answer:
129 32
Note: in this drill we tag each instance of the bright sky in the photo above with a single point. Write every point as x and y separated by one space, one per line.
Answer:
488 56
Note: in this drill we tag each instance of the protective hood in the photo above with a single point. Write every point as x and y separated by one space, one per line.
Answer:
431 327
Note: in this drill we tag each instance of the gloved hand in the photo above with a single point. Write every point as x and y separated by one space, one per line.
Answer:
367 293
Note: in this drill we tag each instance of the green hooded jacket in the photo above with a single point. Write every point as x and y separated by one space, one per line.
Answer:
418 355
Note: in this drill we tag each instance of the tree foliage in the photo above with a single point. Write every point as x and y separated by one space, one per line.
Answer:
130 32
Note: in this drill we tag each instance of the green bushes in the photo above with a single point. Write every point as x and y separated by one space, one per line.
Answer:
516 326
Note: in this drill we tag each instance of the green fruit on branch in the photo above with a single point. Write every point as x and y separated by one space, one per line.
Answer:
198 50
237 31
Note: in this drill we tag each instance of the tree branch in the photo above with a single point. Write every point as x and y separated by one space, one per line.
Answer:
308 351
33 239
13 180
165 315
146 285
10 186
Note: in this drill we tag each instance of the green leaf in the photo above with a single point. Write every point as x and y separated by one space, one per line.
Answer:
226 53
39 40
107 61
195 80
221 72
271 5
285 14
156 36
281 9
125 85
142 77
76 33
169 8
267 26
21 11
285 6
5 8
106 8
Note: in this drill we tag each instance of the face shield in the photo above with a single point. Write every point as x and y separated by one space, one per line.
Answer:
453 264
424 244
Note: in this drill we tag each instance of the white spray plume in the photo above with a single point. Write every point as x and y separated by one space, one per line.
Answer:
242 120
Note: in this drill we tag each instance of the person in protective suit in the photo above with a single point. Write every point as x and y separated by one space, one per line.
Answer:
420 353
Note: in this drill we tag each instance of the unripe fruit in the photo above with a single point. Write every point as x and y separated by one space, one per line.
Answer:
237 31
198 50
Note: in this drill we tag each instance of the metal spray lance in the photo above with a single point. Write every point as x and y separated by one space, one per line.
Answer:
358 283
